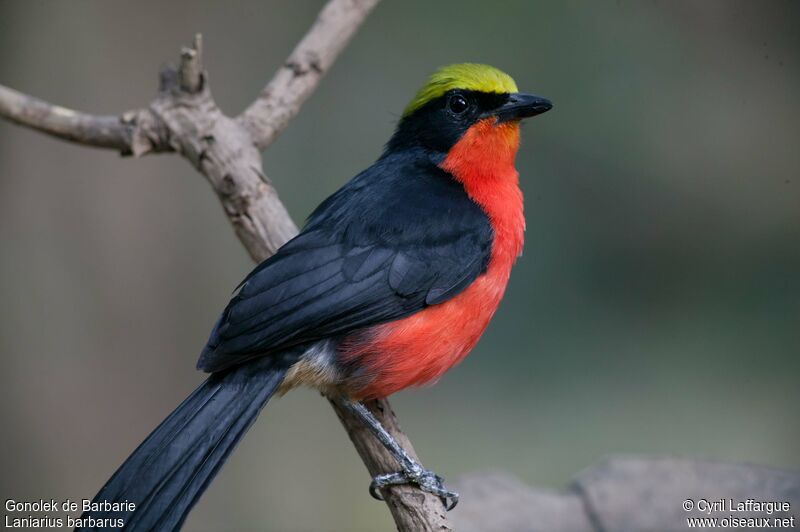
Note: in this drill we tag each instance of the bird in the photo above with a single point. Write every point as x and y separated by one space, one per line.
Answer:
390 283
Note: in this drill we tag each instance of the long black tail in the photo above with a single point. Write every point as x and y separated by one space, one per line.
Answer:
167 473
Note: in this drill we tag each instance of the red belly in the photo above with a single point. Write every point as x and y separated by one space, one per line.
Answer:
420 348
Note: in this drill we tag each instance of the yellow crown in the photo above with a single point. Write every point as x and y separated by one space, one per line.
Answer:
465 76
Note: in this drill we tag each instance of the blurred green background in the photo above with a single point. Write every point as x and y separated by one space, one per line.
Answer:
656 308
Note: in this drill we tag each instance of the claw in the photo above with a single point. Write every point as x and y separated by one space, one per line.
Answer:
426 480
381 481
412 471
375 491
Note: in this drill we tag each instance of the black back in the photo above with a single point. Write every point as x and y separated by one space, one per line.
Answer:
400 236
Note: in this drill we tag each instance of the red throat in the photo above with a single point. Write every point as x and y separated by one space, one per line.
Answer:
483 162
421 348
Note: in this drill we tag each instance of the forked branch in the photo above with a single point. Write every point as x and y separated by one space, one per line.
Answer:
184 118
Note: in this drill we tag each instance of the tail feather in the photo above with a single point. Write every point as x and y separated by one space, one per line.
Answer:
171 469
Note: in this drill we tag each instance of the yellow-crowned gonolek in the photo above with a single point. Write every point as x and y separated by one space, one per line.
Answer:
391 282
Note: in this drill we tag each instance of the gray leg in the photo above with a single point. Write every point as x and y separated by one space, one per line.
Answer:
411 470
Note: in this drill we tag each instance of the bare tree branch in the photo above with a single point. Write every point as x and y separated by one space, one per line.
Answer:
191 73
90 130
299 75
184 118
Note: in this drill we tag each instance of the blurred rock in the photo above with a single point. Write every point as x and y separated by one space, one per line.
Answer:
627 494
495 501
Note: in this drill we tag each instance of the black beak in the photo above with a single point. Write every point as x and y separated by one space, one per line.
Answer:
521 106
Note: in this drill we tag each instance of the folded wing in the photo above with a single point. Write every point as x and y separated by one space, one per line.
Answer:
354 270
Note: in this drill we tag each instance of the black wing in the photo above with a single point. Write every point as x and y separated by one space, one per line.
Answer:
399 237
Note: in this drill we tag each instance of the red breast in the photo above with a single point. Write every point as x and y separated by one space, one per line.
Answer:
421 348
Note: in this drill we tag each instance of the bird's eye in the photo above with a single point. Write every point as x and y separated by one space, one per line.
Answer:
457 104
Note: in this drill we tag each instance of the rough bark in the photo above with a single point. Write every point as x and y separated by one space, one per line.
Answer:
184 118
89 130
299 75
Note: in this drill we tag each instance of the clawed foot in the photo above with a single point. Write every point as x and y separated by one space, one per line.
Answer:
412 472
426 480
